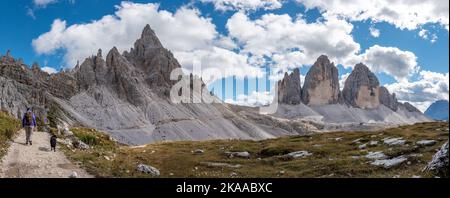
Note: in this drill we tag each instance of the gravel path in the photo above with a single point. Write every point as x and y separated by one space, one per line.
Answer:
37 161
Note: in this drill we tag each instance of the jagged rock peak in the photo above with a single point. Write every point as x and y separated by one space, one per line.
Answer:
35 66
361 88
289 88
387 99
410 107
113 52
99 53
149 38
113 56
321 83
323 59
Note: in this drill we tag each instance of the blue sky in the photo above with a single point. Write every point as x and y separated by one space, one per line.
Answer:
421 45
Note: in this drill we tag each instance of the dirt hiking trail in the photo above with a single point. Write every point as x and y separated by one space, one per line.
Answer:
37 161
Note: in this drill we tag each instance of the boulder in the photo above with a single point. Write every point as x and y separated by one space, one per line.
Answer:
321 85
73 175
148 169
289 88
80 145
394 141
389 163
426 142
296 154
362 146
199 151
439 164
243 154
376 155
66 132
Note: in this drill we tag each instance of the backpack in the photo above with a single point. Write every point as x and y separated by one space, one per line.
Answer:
29 118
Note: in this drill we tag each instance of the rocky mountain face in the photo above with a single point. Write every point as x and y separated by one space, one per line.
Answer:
387 99
126 95
289 89
321 85
362 99
362 88
438 110
23 87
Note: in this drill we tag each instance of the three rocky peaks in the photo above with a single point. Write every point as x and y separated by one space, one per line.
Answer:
321 87
127 96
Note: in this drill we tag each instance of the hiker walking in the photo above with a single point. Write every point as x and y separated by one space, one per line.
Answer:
29 123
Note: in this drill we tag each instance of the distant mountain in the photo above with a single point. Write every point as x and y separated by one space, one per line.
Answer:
362 100
438 110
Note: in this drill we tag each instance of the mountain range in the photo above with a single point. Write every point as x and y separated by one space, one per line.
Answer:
128 95
438 110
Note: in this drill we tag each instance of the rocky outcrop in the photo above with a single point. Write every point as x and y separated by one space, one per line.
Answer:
439 164
410 107
11 100
321 85
362 88
289 88
91 72
148 169
387 99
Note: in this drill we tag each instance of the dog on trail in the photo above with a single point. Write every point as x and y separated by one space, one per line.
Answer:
53 143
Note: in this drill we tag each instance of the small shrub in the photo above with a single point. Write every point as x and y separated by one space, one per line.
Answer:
274 151
89 139
9 133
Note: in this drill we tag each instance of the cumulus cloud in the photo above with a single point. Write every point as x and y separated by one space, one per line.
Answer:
391 60
185 32
404 14
374 32
430 87
255 99
425 34
49 70
248 5
291 42
44 3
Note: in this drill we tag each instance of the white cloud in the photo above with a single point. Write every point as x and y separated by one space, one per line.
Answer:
390 60
43 3
49 70
184 32
286 43
430 87
226 62
291 42
342 80
374 32
404 14
255 99
249 5
425 34
30 13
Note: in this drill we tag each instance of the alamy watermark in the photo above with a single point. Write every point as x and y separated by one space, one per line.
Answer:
191 89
